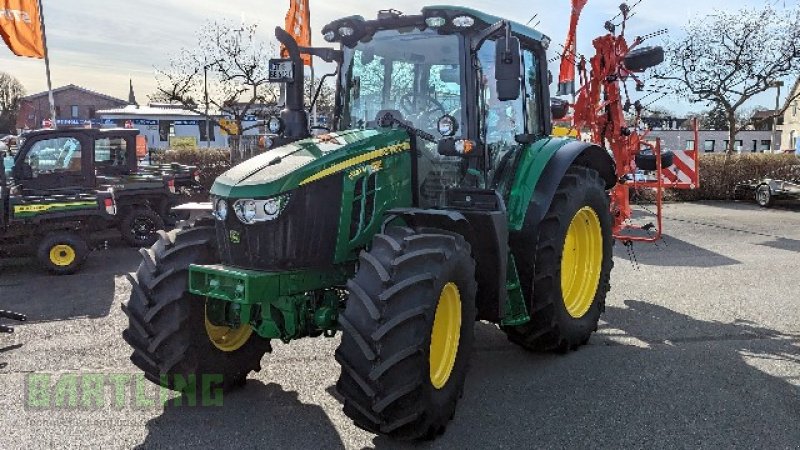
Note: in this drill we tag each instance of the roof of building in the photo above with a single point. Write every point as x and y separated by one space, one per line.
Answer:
75 87
151 110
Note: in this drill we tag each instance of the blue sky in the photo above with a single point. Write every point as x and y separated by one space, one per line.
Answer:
100 44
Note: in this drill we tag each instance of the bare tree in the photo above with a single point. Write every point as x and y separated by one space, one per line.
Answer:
728 58
229 65
11 92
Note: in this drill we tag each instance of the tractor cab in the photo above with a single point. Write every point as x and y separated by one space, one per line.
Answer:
467 85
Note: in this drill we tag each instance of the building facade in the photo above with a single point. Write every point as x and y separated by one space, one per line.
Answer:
710 141
166 126
790 129
75 106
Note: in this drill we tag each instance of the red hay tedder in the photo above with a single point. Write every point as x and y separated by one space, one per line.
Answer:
599 109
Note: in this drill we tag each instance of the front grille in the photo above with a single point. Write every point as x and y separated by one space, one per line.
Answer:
304 236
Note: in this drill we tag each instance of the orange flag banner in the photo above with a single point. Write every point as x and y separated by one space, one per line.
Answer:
21 27
298 24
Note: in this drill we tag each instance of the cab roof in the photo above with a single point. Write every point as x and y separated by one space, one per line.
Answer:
487 20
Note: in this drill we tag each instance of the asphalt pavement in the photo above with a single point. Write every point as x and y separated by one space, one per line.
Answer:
699 348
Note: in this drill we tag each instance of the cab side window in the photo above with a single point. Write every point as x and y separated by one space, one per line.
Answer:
111 152
55 155
533 105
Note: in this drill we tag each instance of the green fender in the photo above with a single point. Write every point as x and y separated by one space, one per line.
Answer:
541 169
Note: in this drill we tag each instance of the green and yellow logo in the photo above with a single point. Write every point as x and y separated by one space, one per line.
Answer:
234 237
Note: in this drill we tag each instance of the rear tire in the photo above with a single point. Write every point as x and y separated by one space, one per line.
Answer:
403 287
539 250
166 323
62 252
139 227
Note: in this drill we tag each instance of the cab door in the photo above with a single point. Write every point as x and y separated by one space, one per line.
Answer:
55 162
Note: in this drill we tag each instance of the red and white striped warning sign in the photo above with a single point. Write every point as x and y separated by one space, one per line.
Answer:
684 173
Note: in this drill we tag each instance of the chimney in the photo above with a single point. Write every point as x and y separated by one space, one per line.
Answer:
132 96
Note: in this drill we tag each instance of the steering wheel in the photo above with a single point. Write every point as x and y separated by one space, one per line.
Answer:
406 105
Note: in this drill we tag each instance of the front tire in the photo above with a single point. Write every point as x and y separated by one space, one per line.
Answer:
172 341
564 265
408 332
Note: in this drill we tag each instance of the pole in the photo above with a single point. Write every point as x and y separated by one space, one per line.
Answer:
778 85
205 94
47 68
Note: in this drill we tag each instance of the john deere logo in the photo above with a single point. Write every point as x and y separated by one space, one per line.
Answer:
234 236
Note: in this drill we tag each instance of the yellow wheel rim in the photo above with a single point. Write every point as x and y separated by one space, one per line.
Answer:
62 255
445 335
228 339
581 261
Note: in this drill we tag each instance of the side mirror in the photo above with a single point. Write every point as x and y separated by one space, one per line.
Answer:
558 108
508 68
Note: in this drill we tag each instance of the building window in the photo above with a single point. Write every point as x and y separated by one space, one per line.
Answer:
708 145
92 112
755 146
766 145
74 111
165 130
58 111
690 145
206 126
738 145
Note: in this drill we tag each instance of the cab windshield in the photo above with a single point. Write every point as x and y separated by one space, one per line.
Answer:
415 72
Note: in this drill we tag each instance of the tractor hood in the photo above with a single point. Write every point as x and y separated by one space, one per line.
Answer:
285 168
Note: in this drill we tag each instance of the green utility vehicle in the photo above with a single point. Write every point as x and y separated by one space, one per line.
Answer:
102 159
435 200
58 226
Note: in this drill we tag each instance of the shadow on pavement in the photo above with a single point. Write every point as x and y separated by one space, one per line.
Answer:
257 416
792 245
674 252
687 383
29 290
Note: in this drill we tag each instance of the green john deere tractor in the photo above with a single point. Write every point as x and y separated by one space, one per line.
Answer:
436 199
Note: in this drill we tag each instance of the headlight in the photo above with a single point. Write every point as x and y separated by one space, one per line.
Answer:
447 125
275 125
245 211
329 36
252 211
435 22
221 209
346 31
463 21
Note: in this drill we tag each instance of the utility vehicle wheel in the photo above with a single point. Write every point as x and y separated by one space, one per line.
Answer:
565 264
173 341
139 227
62 253
764 196
408 332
